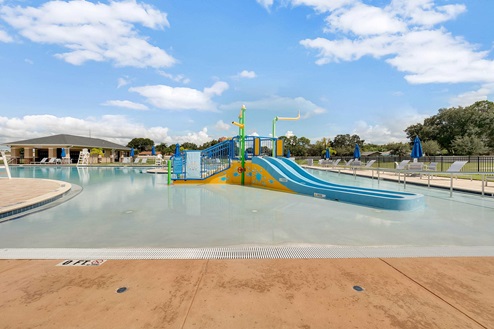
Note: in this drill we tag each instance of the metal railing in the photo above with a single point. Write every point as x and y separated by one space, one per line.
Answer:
215 159
476 163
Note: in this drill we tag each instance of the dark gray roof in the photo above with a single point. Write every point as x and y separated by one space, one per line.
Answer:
69 141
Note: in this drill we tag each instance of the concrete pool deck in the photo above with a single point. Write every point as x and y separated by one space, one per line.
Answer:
261 293
449 292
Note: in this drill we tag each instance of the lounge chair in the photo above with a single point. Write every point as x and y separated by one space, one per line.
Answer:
144 160
349 162
432 166
43 161
136 160
369 164
335 162
53 161
401 165
456 166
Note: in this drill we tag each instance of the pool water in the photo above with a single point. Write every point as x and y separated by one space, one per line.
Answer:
128 208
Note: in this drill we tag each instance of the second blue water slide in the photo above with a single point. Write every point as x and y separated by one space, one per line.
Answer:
295 178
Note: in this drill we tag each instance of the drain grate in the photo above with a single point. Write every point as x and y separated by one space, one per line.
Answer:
286 252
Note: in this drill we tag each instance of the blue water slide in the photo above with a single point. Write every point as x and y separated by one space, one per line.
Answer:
296 179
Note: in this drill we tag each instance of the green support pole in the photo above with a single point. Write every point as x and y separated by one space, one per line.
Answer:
242 144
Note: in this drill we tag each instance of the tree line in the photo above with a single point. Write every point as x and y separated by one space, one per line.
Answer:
452 131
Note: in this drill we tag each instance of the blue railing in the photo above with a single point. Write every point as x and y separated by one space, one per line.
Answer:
215 159
265 147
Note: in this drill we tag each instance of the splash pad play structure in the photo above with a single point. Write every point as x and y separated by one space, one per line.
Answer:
259 162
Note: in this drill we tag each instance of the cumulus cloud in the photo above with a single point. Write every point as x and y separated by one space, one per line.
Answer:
126 104
402 33
247 74
265 3
122 82
116 128
220 125
390 129
289 133
177 78
180 98
93 31
473 96
4 37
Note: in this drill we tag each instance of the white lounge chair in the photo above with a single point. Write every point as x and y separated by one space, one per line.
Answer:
369 164
401 165
456 166
137 160
349 162
43 161
432 166
335 162
53 161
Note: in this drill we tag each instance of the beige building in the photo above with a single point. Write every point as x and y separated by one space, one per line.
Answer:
34 150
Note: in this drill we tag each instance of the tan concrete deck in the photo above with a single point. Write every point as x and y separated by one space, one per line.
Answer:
266 293
294 293
18 193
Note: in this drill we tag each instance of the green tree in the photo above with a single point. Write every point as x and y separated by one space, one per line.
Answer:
468 145
400 149
141 144
476 120
189 146
345 144
431 147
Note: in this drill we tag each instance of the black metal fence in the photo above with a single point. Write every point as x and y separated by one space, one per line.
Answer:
475 163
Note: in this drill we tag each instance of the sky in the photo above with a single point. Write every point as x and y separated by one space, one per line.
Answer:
180 71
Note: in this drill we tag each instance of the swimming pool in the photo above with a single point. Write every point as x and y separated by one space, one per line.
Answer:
124 207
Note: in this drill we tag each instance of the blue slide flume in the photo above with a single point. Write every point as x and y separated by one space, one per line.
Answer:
298 180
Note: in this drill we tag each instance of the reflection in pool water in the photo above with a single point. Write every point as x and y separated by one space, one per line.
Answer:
126 207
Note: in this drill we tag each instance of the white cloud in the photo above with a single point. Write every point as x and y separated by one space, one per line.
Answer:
289 133
265 3
93 31
115 128
362 19
122 82
425 12
247 74
402 32
197 138
471 97
177 78
438 57
4 37
180 98
390 129
220 125
126 104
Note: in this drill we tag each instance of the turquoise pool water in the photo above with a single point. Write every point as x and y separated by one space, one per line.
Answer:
129 208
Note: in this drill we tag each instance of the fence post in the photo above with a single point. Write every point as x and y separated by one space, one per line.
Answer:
442 163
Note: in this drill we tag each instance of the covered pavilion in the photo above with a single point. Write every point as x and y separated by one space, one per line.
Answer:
33 150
